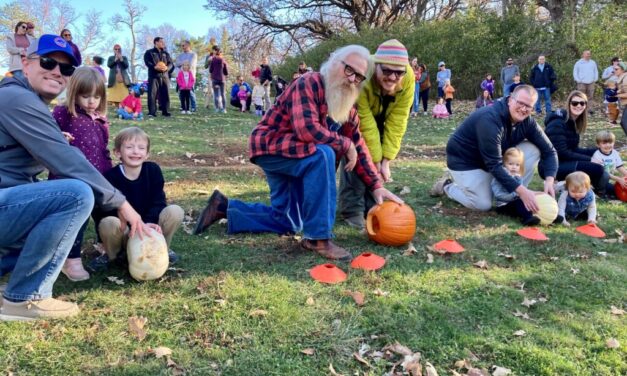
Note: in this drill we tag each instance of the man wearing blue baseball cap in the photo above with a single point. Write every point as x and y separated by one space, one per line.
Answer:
39 220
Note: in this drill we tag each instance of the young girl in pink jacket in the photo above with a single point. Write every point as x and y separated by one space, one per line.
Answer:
185 80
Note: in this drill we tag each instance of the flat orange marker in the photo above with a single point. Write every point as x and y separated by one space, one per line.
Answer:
327 273
368 261
532 233
591 230
449 245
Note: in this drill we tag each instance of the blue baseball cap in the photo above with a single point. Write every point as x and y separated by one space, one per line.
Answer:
49 43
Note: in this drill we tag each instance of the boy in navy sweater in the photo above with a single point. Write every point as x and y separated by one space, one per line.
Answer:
142 183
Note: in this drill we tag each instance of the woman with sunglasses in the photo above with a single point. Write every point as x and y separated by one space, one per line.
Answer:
564 128
119 80
17 43
67 35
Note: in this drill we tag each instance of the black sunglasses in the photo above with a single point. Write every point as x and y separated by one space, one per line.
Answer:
350 71
66 35
389 72
578 103
49 63
23 27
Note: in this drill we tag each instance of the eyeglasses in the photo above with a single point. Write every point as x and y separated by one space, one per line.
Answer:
578 103
66 35
389 72
23 27
522 105
350 71
49 64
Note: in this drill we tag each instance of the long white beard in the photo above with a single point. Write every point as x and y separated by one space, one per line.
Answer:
340 99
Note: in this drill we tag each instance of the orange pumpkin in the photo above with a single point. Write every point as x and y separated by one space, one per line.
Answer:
391 223
621 192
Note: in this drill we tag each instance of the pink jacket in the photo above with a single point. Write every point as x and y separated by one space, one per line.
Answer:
189 85
440 111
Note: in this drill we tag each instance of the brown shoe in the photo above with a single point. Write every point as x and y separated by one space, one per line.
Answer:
215 210
48 308
326 248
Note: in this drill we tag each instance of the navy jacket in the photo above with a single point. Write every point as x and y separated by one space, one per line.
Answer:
544 78
565 139
266 74
481 139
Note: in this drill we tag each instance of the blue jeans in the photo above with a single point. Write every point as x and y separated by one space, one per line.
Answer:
128 115
302 197
440 92
546 94
38 225
416 107
506 89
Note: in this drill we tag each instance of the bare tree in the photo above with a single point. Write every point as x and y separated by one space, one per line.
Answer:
90 33
133 13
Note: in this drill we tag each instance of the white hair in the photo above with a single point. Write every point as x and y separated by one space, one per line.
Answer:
341 54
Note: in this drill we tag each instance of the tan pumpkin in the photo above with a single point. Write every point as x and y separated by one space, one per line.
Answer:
391 223
147 257
547 211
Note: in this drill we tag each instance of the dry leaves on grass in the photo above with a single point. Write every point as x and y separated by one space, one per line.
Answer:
161 351
411 364
357 296
406 190
520 333
308 351
379 292
612 343
500 371
332 370
616 311
525 316
483 264
310 301
361 360
506 256
136 326
258 313
116 280
528 302
430 370
429 258
397 348
411 250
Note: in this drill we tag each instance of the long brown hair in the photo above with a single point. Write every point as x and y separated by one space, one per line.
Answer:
581 123
86 81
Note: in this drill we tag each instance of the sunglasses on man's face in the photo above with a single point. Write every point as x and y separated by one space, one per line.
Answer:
49 64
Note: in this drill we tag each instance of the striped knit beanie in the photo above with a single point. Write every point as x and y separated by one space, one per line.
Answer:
391 52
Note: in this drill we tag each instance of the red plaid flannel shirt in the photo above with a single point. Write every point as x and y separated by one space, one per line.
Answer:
298 122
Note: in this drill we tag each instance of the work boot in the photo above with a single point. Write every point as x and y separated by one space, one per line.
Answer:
326 248
48 308
438 187
215 210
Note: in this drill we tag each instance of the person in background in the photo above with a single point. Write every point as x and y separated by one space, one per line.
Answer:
235 100
442 75
417 75
159 64
257 98
97 62
119 80
620 71
188 55
586 74
425 85
507 75
17 43
30 29
67 35
611 101
303 68
516 83
185 80
439 110
219 72
266 81
542 78
488 84
131 107
608 75
484 100
448 96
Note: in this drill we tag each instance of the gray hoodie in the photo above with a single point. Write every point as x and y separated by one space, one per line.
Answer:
30 140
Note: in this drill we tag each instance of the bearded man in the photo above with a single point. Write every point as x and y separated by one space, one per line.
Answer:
298 144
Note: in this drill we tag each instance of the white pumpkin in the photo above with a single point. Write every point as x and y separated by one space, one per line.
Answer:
147 257
548 208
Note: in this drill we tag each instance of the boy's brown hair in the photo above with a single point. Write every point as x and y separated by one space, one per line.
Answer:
578 180
130 133
605 136
515 153
86 81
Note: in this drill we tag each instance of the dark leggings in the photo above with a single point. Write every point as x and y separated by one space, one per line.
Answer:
515 209
448 106
424 98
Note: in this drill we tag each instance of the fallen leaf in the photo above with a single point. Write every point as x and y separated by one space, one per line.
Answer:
430 370
483 264
357 296
363 349
410 250
310 301
612 343
379 292
258 313
189 155
520 314
136 326
405 191
411 364
500 371
332 370
308 351
429 258
116 280
603 254
161 351
574 270
360 359
398 349
176 369
461 364
507 256
542 299
520 333
616 311
528 302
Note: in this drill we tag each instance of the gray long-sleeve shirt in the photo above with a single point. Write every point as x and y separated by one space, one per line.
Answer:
30 140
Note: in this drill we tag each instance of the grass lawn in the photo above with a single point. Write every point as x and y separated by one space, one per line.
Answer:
245 304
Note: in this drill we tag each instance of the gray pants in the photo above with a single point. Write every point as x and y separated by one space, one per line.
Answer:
588 90
355 198
472 188
266 97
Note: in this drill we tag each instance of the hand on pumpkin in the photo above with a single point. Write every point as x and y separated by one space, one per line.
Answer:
351 158
528 198
381 194
128 216
622 182
155 227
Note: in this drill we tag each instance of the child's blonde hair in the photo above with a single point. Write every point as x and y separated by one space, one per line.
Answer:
515 154
130 133
610 83
605 136
86 81
578 181
186 64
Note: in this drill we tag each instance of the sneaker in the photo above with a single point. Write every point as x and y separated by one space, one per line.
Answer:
99 264
173 258
224 110
166 114
215 210
326 248
531 221
425 113
74 271
48 308
438 186
356 221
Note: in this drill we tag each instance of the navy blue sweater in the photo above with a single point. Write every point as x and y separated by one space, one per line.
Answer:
481 139
542 78
565 139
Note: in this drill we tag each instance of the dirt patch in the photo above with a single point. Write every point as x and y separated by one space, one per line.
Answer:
422 152
230 155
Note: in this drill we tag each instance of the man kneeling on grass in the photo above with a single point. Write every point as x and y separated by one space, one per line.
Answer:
298 144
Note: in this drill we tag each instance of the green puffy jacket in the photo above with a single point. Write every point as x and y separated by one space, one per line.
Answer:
370 105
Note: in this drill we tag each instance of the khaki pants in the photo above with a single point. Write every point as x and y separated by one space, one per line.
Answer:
588 90
612 110
114 239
